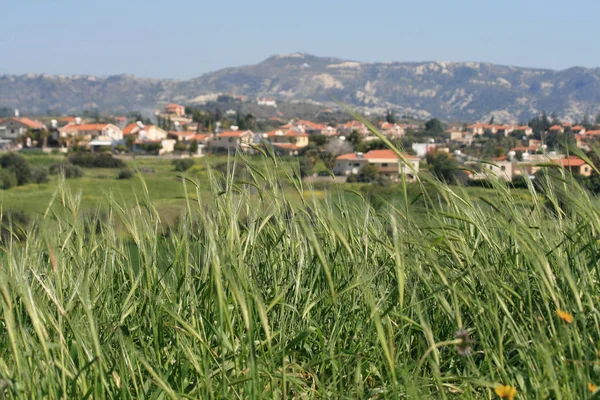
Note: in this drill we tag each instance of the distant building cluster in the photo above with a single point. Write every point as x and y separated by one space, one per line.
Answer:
176 130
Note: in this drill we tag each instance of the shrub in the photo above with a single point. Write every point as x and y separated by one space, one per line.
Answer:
40 175
120 148
151 148
93 160
8 179
19 165
67 170
180 147
125 174
183 164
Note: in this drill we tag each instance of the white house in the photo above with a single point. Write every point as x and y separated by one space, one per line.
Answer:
263 101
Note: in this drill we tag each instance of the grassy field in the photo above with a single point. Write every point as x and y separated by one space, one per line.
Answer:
266 289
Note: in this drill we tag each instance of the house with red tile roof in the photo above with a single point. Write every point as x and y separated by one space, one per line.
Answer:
387 162
91 130
578 129
15 127
232 140
290 136
149 132
352 126
94 135
525 129
576 166
145 135
181 136
557 129
391 130
175 109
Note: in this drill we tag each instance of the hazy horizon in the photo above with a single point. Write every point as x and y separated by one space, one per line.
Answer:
305 53
186 41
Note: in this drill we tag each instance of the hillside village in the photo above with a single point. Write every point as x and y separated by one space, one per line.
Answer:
347 148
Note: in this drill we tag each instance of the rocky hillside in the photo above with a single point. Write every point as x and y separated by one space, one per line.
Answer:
449 90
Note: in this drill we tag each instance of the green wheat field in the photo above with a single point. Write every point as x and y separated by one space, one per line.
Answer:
263 291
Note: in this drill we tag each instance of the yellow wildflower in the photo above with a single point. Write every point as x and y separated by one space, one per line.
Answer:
592 388
565 316
506 392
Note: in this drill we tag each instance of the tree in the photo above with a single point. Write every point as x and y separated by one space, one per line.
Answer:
18 165
555 120
306 166
390 117
250 121
598 119
492 120
434 126
442 166
354 138
586 122
129 141
318 140
193 147
218 114
334 148
545 122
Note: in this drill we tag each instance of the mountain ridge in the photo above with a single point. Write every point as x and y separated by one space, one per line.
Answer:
446 89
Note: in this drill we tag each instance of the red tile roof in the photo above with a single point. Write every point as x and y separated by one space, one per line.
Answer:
130 128
594 133
523 148
556 128
572 162
309 124
237 133
353 124
83 127
31 124
286 146
173 106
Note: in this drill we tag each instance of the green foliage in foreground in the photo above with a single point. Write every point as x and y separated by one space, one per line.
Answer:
327 299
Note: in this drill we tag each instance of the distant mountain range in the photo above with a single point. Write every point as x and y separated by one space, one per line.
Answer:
464 91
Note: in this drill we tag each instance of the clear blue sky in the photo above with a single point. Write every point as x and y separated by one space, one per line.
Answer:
185 38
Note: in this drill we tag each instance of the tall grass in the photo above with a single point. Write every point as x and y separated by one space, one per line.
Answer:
255 296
